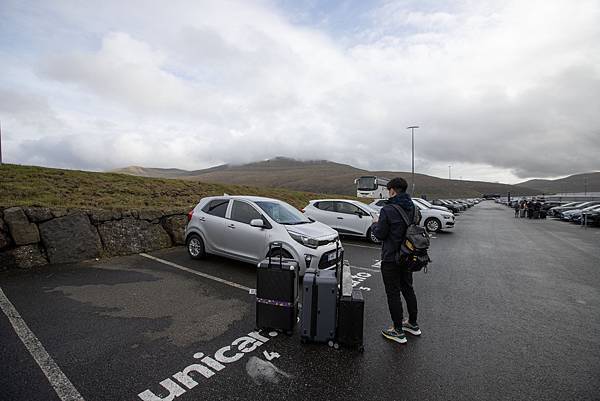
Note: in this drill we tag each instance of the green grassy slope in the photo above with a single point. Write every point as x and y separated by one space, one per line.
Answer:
40 186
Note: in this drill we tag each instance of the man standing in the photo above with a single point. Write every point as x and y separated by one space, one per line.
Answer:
391 230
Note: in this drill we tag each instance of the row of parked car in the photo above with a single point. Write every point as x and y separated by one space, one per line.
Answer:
581 212
245 227
577 212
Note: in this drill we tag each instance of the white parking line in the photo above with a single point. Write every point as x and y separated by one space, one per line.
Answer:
59 382
361 246
208 276
366 268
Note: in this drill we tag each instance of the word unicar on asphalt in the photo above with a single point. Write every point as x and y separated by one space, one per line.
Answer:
209 366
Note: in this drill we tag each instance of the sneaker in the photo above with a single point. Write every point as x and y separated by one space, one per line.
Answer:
394 335
411 328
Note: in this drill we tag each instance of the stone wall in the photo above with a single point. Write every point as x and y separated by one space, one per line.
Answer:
36 236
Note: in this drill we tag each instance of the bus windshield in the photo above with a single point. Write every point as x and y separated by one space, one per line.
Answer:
366 184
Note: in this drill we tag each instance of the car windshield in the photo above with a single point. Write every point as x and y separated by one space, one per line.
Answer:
366 183
424 202
282 213
370 208
571 204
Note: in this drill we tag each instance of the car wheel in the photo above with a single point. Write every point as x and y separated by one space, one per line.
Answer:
371 237
433 225
195 247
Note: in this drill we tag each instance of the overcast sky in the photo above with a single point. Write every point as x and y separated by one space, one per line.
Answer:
503 90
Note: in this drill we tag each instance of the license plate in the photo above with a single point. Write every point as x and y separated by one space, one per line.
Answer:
331 257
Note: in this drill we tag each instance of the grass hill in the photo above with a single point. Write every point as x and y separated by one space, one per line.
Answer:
330 178
48 187
573 183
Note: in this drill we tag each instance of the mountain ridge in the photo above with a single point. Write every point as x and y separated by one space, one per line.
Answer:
323 176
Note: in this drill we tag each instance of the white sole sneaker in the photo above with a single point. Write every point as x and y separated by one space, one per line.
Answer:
411 331
396 339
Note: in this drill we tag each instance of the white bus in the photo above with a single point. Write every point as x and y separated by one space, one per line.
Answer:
369 186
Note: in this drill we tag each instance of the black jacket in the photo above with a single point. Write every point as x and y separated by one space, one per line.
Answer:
391 228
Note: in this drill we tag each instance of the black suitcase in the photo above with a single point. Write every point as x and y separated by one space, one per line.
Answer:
350 320
351 311
277 294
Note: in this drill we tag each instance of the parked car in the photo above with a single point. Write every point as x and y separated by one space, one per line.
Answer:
461 206
555 211
431 206
379 203
441 202
244 227
576 214
433 220
348 217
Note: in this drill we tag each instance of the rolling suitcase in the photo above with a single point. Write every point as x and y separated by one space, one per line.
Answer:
277 294
319 304
351 312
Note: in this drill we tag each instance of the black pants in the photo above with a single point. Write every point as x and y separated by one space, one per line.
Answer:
399 281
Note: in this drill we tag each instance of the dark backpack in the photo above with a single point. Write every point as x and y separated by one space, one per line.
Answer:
412 251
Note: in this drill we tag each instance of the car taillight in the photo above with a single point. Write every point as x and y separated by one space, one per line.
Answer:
190 214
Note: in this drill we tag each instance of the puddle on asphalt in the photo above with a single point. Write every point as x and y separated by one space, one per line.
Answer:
195 313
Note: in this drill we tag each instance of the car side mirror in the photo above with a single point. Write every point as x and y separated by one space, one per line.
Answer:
257 223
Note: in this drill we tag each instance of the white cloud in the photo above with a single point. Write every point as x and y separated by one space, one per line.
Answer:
504 87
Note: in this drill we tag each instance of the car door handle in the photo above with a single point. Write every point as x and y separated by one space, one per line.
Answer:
202 218
340 218
231 226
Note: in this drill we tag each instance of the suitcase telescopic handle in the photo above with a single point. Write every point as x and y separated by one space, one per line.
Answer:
271 246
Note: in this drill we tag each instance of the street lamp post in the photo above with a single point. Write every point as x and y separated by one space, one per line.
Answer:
449 172
412 130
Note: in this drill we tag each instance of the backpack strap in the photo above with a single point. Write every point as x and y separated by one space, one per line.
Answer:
404 215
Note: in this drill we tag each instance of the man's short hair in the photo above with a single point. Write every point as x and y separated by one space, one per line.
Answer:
399 184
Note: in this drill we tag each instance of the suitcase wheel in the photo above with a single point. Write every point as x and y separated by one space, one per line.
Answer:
330 343
361 349
336 346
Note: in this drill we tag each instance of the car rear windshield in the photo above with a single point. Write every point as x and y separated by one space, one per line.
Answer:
282 213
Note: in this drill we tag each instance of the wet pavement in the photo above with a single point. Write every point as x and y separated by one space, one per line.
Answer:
509 310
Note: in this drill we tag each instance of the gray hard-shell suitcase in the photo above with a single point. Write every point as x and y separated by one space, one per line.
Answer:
319 306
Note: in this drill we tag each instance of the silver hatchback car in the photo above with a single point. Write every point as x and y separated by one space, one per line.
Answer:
245 227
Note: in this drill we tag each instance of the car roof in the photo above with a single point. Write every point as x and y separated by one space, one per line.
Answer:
336 200
244 197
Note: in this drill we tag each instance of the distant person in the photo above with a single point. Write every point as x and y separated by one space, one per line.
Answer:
523 208
397 279
517 208
530 209
537 206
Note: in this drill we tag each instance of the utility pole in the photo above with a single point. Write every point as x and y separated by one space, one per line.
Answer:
412 129
584 183
449 172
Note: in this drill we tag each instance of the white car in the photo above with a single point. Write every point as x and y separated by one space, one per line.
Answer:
433 220
379 203
244 227
347 217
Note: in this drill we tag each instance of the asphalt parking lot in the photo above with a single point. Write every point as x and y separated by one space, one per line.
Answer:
509 310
